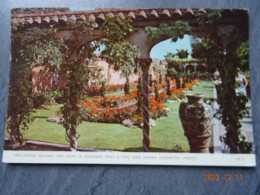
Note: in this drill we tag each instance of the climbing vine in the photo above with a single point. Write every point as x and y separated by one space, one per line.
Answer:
74 71
178 30
35 46
118 52
232 106
30 48
243 55
208 18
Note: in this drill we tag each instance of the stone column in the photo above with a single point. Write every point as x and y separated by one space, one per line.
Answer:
145 64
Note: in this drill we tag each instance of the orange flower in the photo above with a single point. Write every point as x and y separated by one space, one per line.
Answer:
151 89
160 86
161 106
85 104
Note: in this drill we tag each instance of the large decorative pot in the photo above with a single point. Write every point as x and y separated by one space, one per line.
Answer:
196 119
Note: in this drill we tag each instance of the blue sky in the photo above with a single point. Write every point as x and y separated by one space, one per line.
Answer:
162 48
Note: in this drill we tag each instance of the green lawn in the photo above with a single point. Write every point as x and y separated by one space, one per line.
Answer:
167 133
206 88
116 93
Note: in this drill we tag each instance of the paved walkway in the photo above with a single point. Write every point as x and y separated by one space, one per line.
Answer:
219 130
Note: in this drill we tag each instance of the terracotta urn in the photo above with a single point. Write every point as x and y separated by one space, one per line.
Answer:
196 117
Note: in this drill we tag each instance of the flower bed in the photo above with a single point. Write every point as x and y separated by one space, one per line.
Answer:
107 114
176 93
116 109
188 87
156 108
108 110
163 96
195 81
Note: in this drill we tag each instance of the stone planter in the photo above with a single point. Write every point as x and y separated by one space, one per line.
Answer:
196 119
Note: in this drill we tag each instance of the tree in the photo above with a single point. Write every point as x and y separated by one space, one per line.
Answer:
169 56
118 52
182 53
208 50
94 81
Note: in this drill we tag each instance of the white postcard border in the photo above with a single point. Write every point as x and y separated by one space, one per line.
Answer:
129 158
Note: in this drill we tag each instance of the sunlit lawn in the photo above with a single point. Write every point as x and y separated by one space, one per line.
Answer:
167 133
206 88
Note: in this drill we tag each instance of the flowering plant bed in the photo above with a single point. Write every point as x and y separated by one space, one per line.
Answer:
114 109
176 93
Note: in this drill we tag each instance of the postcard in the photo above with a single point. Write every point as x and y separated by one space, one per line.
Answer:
168 86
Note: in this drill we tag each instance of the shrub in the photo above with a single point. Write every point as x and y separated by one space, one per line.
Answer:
46 98
38 100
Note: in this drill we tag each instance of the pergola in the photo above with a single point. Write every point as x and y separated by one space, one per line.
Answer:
193 65
228 25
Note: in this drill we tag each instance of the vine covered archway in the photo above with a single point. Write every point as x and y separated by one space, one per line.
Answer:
143 28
